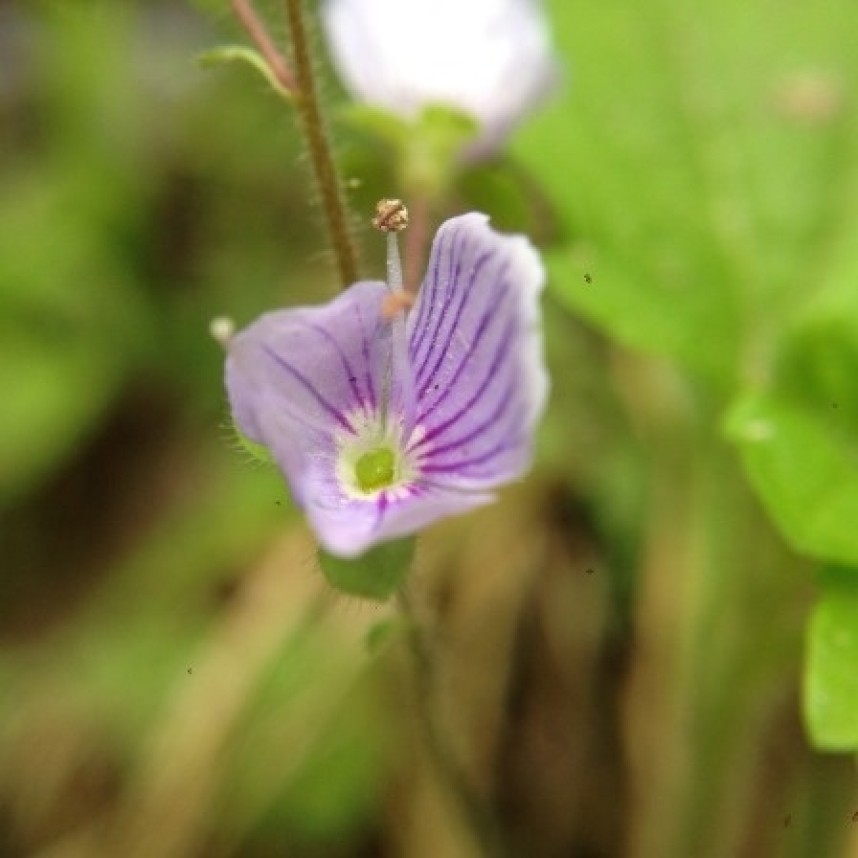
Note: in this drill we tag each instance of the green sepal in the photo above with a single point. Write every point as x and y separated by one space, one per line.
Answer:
257 452
240 53
378 123
432 155
377 574
831 669
426 150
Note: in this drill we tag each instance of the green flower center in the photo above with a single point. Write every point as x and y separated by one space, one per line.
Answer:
375 469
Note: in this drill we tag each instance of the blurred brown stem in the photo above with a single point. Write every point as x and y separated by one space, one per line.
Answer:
318 144
416 239
475 811
251 22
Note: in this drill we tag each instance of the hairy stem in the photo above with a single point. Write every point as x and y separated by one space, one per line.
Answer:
246 14
318 144
474 809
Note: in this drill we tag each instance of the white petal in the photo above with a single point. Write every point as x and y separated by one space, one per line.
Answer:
488 58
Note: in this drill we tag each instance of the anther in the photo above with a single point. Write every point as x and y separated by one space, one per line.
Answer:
390 216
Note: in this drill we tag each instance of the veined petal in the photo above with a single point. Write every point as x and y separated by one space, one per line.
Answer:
319 386
298 379
476 349
383 427
348 527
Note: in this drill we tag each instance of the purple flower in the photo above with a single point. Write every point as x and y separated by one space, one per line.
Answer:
381 427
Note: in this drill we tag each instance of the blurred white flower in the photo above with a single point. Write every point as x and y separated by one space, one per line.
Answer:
490 59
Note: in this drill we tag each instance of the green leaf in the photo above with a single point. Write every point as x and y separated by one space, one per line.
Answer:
377 574
242 54
694 155
804 470
799 435
831 680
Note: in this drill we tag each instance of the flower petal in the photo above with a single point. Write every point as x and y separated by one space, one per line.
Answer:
297 377
348 527
476 348
454 391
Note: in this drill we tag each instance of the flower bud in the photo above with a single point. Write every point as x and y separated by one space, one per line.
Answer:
489 59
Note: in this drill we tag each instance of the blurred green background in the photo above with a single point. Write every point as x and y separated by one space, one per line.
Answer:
649 649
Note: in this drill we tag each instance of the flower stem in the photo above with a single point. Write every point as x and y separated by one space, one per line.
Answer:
474 809
318 144
394 262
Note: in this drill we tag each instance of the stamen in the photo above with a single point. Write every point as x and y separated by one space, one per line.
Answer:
391 217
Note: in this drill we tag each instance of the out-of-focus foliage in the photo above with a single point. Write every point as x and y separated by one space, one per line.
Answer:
116 220
799 435
149 647
832 694
621 639
704 162
72 319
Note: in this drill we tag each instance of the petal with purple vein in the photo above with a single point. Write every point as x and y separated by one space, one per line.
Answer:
481 382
